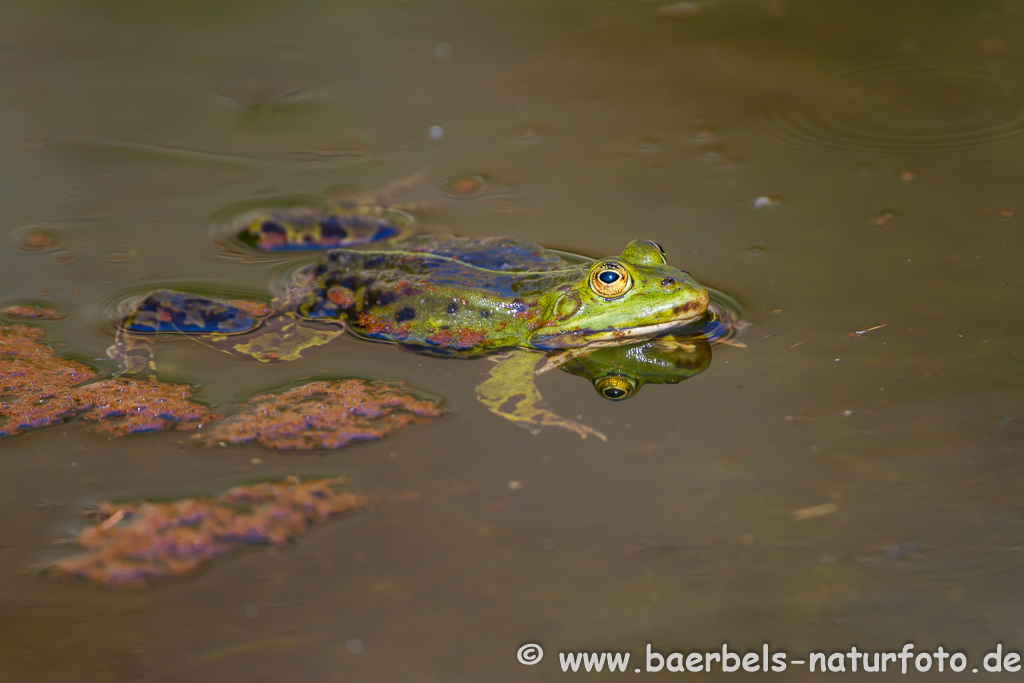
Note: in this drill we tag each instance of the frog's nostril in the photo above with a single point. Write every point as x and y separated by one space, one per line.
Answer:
668 282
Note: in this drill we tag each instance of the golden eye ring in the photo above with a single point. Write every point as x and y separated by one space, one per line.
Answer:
615 387
610 279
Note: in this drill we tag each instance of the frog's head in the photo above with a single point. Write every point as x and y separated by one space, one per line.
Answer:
629 297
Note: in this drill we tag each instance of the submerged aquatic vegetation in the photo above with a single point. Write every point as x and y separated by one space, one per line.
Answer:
130 544
38 388
324 414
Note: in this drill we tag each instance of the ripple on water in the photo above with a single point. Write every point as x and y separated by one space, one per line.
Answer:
898 108
934 533
724 322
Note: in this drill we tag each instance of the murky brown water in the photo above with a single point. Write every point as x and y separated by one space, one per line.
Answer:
894 138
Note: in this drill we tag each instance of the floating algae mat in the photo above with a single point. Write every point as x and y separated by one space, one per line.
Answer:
131 544
38 388
31 311
324 414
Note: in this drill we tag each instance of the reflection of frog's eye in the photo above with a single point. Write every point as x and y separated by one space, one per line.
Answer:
610 279
615 387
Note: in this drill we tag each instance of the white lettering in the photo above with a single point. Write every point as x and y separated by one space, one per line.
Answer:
997 656
905 654
651 654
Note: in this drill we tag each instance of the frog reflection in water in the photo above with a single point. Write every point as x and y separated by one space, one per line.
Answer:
514 301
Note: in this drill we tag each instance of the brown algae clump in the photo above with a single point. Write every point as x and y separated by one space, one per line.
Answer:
324 414
130 544
31 312
128 406
38 387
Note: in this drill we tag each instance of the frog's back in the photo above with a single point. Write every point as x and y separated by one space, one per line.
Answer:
458 292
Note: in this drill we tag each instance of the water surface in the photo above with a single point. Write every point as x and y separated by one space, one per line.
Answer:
890 139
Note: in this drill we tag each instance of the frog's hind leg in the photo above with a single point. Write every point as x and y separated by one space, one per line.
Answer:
413 193
133 352
142 318
282 337
510 391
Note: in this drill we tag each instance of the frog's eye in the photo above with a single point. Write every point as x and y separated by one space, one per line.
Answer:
610 279
615 387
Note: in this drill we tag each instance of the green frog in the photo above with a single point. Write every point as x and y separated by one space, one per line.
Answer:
521 304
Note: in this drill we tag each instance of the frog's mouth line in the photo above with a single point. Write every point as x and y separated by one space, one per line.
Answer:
611 337
634 333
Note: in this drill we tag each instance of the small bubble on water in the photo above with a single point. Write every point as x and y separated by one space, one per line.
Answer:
122 256
547 544
354 645
252 611
529 133
906 175
755 251
38 240
436 132
515 485
63 257
765 202
704 133
713 154
813 449
463 184
443 51
883 218
649 143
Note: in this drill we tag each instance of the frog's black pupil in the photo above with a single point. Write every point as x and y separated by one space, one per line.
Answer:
614 392
608 276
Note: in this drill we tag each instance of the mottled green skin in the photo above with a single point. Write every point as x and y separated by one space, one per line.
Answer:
459 295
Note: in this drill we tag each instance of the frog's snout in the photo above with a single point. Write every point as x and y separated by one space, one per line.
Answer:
689 309
695 306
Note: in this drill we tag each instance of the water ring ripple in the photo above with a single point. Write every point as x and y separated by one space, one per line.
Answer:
900 108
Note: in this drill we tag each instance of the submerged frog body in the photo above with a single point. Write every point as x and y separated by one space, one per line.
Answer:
436 294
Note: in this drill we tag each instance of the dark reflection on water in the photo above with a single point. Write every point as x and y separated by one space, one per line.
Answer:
850 477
